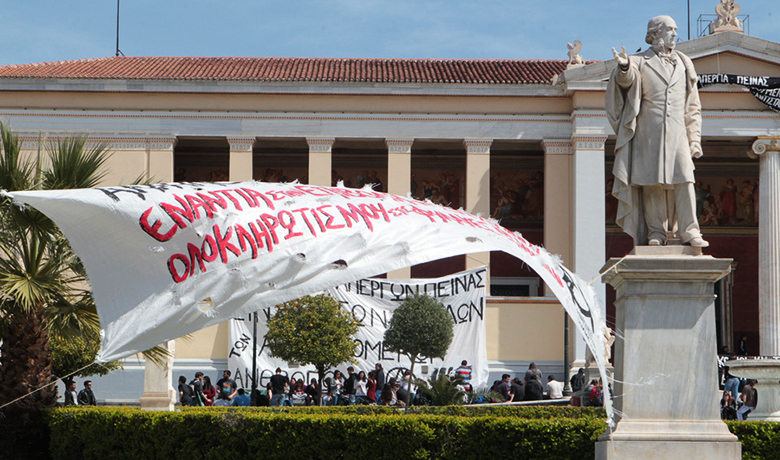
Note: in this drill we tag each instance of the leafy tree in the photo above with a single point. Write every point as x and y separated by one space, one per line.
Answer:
313 330
420 328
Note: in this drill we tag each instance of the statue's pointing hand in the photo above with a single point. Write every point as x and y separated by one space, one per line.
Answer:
621 58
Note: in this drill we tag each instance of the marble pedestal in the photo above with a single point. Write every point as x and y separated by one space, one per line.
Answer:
159 394
767 373
665 360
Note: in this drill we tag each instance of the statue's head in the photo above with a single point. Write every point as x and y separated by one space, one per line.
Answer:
661 29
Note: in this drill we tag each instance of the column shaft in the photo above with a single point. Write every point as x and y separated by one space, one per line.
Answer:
588 218
769 245
320 164
478 189
399 173
241 167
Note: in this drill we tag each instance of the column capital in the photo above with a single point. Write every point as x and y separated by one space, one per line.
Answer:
241 143
557 146
477 146
399 144
588 141
764 144
320 144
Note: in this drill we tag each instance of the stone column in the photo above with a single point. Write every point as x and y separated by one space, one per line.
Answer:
241 168
665 367
478 191
320 165
399 174
558 198
768 151
160 158
159 393
588 220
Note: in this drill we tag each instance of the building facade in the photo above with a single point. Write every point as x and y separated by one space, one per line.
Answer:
524 141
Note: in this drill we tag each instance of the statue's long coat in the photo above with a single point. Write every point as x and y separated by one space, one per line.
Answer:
655 118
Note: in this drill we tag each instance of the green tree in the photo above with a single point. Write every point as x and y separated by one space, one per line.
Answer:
313 330
420 328
44 294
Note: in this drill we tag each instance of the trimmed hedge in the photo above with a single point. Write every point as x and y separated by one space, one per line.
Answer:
220 433
355 432
760 440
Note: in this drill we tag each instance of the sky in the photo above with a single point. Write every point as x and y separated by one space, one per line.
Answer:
54 30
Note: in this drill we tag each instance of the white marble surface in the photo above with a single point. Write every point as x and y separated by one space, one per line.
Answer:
664 358
767 372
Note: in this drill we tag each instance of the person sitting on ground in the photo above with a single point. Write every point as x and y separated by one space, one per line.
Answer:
222 400
518 390
728 406
505 388
312 392
533 389
242 399
554 388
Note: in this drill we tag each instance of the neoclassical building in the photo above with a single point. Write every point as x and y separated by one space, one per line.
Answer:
525 141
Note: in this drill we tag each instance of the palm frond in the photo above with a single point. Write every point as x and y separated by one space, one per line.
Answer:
75 164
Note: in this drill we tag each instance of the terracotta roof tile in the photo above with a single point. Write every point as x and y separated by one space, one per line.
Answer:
480 71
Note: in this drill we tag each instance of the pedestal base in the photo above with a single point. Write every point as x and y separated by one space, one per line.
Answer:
156 401
668 450
664 364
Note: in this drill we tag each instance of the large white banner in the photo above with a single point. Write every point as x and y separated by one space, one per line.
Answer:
373 302
166 260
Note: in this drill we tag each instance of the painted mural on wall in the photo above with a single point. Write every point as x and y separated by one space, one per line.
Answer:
517 198
720 201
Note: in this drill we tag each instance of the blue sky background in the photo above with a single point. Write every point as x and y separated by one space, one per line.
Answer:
54 30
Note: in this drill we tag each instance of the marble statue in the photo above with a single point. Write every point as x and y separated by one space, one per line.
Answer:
727 11
653 105
574 54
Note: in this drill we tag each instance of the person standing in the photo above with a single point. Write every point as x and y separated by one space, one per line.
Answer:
578 380
197 385
226 386
749 398
86 397
653 105
464 372
71 397
209 391
379 372
531 372
185 392
279 384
